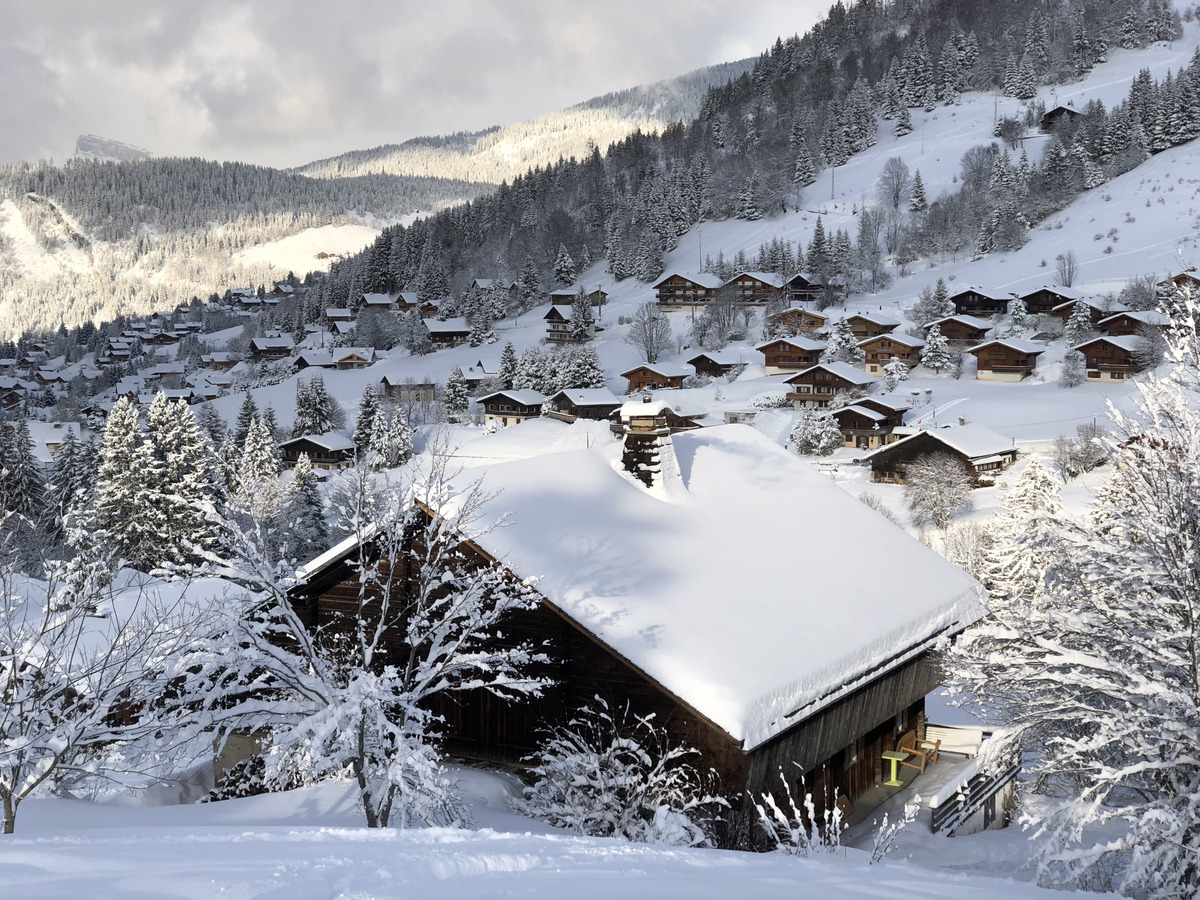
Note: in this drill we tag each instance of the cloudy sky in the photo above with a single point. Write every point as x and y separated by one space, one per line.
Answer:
282 82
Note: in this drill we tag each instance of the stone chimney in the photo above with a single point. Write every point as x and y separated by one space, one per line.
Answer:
649 455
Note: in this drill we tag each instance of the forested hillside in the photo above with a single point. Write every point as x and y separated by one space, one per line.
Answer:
808 104
502 154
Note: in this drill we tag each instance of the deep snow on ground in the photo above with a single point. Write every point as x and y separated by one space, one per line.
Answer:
310 844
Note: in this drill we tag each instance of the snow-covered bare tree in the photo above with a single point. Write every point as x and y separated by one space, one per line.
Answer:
936 486
355 695
609 772
649 332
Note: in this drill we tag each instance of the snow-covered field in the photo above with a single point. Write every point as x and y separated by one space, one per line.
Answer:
310 844
301 253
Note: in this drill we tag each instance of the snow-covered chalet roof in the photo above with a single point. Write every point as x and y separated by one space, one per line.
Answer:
770 278
642 408
841 370
875 318
589 396
741 635
972 441
1145 316
726 357
520 398
802 343
1029 348
667 370
330 440
1057 289
704 279
964 319
905 340
1131 342
982 292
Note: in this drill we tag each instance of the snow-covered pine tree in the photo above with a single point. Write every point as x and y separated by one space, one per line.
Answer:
247 413
1074 370
581 317
129 515
367 421
564 267
393 441
508 366
1018 317
842 346
302 515
894 372
455 397
936 352
212 426
1079 325
904 123
804 171
917 202
815 433
187 485
748 203
22 490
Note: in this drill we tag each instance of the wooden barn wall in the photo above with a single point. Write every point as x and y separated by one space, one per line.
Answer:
833 729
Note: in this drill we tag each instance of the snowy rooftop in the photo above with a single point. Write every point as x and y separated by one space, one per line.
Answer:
456 324
802 343
727 357
982 292
841 370
589 396
1145 316
871 414
704 279
742 636
964 319
1131 342
642 408
972 441
520 398
906 340
667 370
1064 292
330 440
766 277
875 318
1030 348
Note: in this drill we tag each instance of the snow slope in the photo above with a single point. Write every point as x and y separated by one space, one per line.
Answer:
308 844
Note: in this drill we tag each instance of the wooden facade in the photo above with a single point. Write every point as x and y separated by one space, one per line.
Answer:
1111 358
818 385
961 329
882 349
980 302
864 428
678 291
512 407
756 288
792 354
716 363
408 390
838 746
889 464
1096 311
652 377
1131 322
1005 360
1053 117
796 321
326 451
1043 301
584 403
863 325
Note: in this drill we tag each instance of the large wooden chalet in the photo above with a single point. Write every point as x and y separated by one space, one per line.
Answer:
558 326
652 376
757 288
717 363
268 349
983 452
883 348
1186 280
961 329
328 451
1112 358
511 407
677 291
1133 321
585 403
757 671
791 354
977 301
868 325
1097 310
866 428
407 390
794 321
567 296
1006 359
1043 300
818 385
450 333
1052 118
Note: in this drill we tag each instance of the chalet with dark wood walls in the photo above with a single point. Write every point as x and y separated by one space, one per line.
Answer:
868 325
791 354
384 302
350 358
1186 279
863 428
586 403
408 390
1053 117
802 287
1132 321
984 452
1043 300
558 325
781 679
566 296
1006 359
328 451
977 301
961 329
267 349
652 376
450 333
677 291
818 385
1097 310
1112 358
892 406
511 407
883 348
796 321
756 288
717 363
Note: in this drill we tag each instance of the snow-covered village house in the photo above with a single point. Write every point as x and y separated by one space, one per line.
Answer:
584 403
1006 359
795 321
715 363
883 348
864 428
566 296
1097 310
760 672
790 354
868 325
1043 300
756 288
1186 279
961 329
511 407
676 291
818 385
330 451
1112 358
984 452
1133 321
977 301
559 328
407 390
652 376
